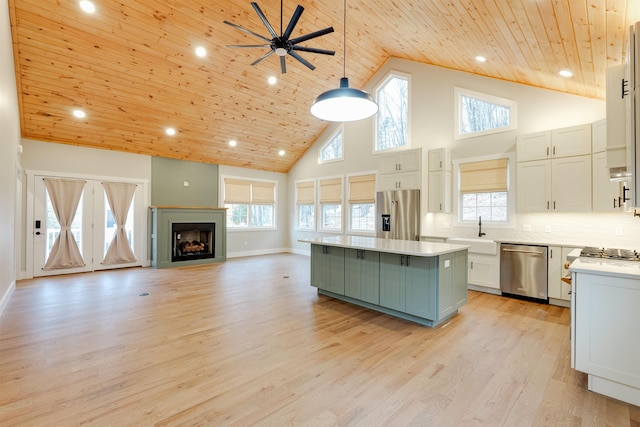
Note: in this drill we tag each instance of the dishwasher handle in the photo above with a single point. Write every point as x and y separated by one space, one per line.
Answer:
520 251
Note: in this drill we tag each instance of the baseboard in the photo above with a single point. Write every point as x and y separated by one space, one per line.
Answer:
257 252
7 296
484 289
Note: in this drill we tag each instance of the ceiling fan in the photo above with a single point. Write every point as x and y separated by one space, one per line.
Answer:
281 44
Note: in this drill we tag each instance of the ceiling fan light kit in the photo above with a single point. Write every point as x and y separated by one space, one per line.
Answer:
344 104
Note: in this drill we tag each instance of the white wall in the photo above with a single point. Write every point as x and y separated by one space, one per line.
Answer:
431 124
9 158
247 243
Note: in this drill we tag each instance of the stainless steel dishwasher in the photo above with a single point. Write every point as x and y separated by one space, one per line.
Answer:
523 271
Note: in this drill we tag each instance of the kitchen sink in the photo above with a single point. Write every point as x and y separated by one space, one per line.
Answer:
476 246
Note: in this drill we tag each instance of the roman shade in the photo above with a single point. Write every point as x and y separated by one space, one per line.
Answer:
237 191
305 194
484 176
362 188
331 191
263 192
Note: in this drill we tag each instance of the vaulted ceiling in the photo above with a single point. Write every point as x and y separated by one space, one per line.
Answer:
131 65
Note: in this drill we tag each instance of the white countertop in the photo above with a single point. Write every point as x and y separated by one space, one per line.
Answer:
628 269
402 247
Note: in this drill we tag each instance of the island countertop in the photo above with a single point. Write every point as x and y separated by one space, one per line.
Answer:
402 247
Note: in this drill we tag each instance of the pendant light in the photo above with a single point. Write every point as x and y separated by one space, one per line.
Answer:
344 104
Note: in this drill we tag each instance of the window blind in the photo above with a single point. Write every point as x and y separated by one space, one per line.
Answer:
305 193
331 191
263 192
484 176
362 189
237 191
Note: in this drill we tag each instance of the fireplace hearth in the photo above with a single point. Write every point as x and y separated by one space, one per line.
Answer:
192 241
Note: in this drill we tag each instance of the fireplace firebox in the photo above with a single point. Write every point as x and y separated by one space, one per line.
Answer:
192 240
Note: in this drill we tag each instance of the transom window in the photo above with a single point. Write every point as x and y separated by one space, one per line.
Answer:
332 149
481 114
392 120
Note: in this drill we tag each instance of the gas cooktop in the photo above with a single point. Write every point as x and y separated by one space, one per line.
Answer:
608 253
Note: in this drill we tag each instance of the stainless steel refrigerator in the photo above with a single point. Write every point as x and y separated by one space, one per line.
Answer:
398 214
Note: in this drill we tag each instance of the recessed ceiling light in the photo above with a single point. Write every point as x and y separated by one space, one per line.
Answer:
233 143
170 131
565 73
281 153
201 52
79 114
272 80
87 6
481 58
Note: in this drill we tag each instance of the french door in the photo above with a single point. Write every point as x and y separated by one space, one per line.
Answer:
92 228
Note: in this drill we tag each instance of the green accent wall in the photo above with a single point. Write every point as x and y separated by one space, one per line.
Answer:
167 183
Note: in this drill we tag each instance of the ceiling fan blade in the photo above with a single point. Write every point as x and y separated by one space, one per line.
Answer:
247 31
312 35
264 19
313 50
283 65
293 22
301 59
248 45
266 55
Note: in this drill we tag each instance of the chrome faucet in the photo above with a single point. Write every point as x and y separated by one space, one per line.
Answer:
480 233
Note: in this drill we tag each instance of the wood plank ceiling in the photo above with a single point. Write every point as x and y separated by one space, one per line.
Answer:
131 65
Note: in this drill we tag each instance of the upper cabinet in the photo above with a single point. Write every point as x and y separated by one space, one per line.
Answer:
440 160
565 142
599 136
439 194
616 119
400 170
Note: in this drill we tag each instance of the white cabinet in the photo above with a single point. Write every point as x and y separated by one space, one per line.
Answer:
604 332
599 136
484 270
616 121
607 194
556 185
439 180
400 170
559 291
565 142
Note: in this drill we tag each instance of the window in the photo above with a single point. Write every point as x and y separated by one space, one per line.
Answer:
332 149
250 204
481 114
392 120
331 204
484 191
305 203
362 209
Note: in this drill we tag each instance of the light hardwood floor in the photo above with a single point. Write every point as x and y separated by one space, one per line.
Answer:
249 342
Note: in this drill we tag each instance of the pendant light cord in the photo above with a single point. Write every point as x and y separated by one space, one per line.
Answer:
344 53
281 18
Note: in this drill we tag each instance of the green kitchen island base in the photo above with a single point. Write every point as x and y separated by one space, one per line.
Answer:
423 282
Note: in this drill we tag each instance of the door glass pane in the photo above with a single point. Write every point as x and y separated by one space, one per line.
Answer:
110 226
53 226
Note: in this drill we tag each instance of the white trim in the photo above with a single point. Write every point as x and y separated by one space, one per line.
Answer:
508 103
258 252
511 192
388 76
4 301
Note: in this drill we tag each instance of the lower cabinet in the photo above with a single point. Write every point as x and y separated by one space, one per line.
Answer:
327 268
557 289
484 270
362 275
407 284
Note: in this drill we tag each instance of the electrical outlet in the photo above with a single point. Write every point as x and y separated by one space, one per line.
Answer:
245 243
547 229
618 231
446 225
526 227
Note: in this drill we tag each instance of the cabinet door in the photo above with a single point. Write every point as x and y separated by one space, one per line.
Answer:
599 136
565 288
554 272
460 278
484 270
616 119
390 163
362 275
534 186
439 160
571 184
327 268
409 180
421 278
400 161
534 146
571 141
607 319
605 191
392 281
439 192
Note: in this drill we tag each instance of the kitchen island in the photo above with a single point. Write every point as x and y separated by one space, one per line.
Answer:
423 282
605 320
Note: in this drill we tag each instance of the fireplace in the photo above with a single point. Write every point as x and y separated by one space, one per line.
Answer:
192 240
187 235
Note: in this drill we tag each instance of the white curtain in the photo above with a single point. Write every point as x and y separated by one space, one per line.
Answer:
119 196
65 196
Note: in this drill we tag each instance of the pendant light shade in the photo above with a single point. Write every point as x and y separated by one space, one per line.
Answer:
344 104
